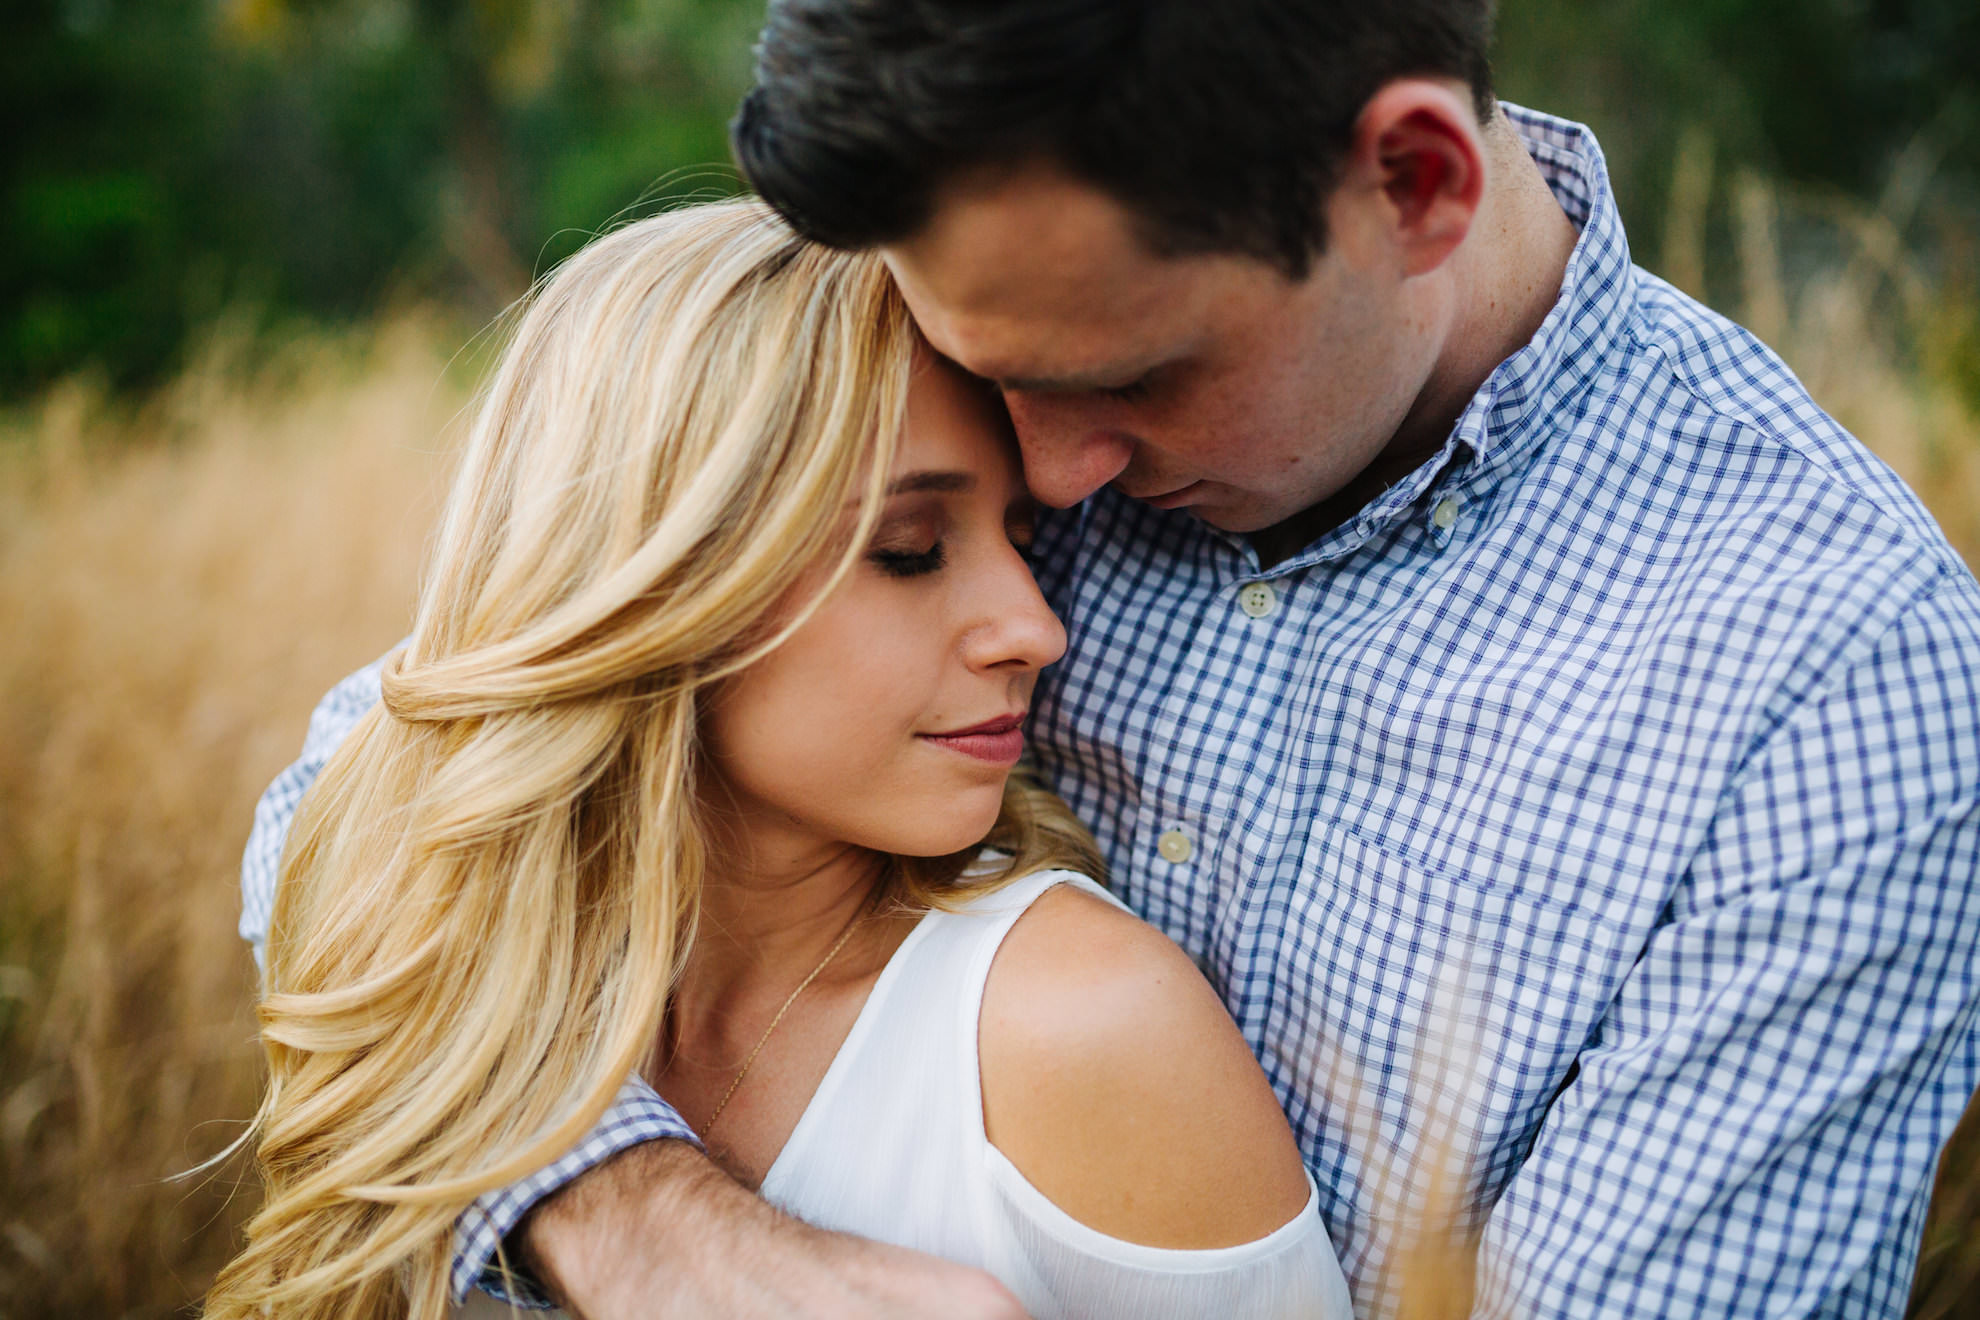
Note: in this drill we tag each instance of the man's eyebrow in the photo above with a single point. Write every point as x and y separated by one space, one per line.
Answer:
947 483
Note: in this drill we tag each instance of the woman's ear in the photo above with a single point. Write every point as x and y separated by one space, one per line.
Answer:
1418 157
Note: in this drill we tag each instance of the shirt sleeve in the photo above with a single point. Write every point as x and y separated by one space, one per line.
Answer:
1754 1126
261 862
637 1115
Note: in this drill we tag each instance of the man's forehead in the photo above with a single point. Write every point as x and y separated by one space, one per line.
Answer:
1025 268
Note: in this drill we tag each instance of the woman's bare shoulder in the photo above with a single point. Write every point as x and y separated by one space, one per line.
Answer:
1116 1082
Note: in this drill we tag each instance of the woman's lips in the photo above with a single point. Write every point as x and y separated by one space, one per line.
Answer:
999 741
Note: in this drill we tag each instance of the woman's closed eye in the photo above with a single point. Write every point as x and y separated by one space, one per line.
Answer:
905 563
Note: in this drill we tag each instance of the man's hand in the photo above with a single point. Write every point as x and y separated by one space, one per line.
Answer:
659 1231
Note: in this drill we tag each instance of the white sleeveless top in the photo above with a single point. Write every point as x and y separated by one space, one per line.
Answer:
892 1147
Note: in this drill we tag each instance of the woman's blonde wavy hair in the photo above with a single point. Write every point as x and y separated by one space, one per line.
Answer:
489 891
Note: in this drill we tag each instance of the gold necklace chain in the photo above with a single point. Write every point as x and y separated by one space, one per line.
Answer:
764 1039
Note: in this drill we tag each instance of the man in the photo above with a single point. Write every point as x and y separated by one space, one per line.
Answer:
1554 737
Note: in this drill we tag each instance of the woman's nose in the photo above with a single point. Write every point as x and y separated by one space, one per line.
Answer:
1019 630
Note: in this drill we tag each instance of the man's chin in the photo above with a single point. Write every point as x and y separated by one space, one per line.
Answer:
1218 508
1236 519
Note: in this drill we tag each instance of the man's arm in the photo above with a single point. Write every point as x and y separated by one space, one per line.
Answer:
661 1232
1753 1128
634 1221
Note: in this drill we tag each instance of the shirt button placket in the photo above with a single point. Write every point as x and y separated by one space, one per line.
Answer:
1174 846
1444 519
1257 599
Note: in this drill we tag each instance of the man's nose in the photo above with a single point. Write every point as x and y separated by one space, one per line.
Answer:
1065 457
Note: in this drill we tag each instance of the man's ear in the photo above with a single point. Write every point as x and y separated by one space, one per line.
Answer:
1419 155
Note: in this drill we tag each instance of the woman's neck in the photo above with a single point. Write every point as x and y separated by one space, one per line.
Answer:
768 922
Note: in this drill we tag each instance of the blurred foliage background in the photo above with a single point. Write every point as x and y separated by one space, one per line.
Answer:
241 245
171 162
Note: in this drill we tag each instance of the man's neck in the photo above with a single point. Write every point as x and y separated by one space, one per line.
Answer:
1507 276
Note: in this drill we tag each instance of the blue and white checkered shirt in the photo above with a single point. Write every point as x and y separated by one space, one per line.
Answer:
1596 815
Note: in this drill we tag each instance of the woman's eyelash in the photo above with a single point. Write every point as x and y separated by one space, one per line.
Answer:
909 563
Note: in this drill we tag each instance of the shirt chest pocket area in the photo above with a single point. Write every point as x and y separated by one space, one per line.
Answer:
1410 1001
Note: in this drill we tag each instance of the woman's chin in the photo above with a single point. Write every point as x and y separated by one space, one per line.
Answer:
947 829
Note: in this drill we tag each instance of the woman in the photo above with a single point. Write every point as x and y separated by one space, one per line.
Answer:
688 767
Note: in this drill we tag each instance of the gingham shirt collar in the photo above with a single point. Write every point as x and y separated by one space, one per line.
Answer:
1578 338
1580 335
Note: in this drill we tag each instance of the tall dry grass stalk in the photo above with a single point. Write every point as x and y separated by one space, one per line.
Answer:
176 589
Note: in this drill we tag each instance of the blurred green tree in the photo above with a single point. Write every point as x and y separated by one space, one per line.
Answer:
1821 93
170 161
174 160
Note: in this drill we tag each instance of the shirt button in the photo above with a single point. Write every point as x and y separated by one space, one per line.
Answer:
1258 599
1444 516
1174 846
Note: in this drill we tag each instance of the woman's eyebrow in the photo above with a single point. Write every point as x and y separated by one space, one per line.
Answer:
943 482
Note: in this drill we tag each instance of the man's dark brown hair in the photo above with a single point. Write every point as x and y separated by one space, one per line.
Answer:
1220 124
